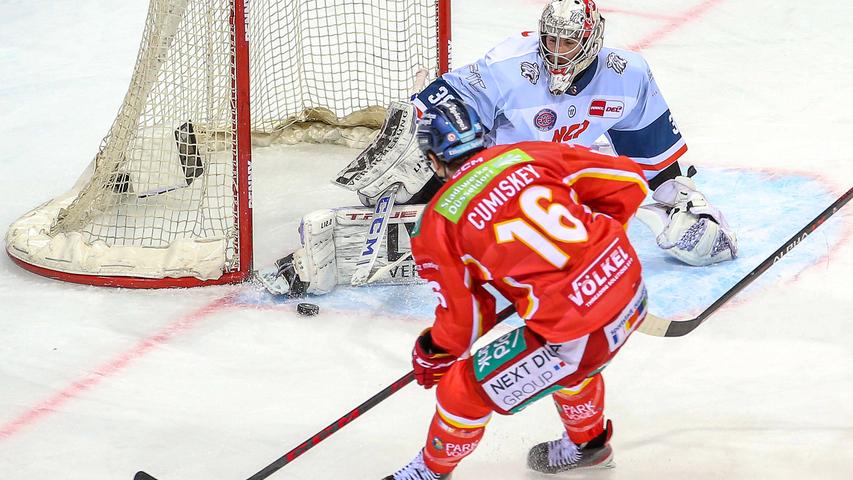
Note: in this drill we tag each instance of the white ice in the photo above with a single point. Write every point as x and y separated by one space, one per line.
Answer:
216 383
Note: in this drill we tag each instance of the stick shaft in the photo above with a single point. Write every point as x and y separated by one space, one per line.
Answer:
669 328
349 417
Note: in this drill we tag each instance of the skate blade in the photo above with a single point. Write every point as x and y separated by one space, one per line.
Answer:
578 472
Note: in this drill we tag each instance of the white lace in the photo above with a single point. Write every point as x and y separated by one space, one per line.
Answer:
416 470
562 452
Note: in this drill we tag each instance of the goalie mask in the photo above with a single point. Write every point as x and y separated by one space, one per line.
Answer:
450 130
571 33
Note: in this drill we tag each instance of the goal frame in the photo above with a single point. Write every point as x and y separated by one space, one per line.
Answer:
242 161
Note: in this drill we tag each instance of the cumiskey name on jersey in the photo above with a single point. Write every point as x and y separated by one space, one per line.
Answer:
485 209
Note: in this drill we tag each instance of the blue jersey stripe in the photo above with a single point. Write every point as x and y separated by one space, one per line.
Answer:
648 142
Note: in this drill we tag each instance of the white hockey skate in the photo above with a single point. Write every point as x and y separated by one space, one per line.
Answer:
417 470
561 455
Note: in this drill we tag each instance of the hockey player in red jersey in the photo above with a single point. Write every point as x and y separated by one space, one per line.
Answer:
544 225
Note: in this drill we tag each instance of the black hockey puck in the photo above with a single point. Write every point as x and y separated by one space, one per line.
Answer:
308 309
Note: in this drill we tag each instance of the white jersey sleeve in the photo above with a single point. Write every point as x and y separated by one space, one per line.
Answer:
648 133
478 85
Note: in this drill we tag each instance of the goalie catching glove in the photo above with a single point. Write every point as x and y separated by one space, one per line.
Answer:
392 158
687 226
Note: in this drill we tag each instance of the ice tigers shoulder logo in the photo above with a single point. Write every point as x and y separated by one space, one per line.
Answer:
617 63
530 71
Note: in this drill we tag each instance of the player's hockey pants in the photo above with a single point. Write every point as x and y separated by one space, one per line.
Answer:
518 369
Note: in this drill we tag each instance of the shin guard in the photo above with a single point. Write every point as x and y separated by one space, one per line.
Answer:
447 445
581 409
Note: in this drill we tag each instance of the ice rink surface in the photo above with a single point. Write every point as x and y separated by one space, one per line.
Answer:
216 383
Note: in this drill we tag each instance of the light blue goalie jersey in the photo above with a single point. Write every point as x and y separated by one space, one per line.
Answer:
616 97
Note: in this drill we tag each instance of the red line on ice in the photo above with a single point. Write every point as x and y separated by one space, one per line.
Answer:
677 22
636 13
110 369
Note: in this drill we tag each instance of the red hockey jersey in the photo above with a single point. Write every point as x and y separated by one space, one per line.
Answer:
543 223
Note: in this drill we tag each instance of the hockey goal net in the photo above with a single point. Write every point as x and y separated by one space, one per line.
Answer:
167 199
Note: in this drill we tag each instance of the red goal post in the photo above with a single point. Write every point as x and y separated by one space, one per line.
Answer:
167 200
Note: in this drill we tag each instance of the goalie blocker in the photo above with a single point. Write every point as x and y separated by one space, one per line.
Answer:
392 158
331 247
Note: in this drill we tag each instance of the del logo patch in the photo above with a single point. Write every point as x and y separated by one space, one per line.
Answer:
606 108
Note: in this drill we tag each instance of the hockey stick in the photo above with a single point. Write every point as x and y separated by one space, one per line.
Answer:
387 149
387 268
661 327
339 423
189 156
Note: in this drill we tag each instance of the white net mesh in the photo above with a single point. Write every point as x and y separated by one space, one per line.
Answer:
342 56
158 200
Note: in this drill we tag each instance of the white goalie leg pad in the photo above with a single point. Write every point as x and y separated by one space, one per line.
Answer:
687 226
315 262
311 268
331 246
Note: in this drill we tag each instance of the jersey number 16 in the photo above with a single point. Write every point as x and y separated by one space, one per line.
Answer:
554 219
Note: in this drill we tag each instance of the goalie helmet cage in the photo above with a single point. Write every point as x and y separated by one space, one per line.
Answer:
167 200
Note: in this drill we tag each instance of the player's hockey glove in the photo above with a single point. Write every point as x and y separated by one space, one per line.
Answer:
687 226
430 361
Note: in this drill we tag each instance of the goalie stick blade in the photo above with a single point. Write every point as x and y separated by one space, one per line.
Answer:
143 476
189 156
387 268
159 191
188 152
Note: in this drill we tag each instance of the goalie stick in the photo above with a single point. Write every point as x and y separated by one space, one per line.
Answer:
373 239
381 154
339 423
387 268
661 327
